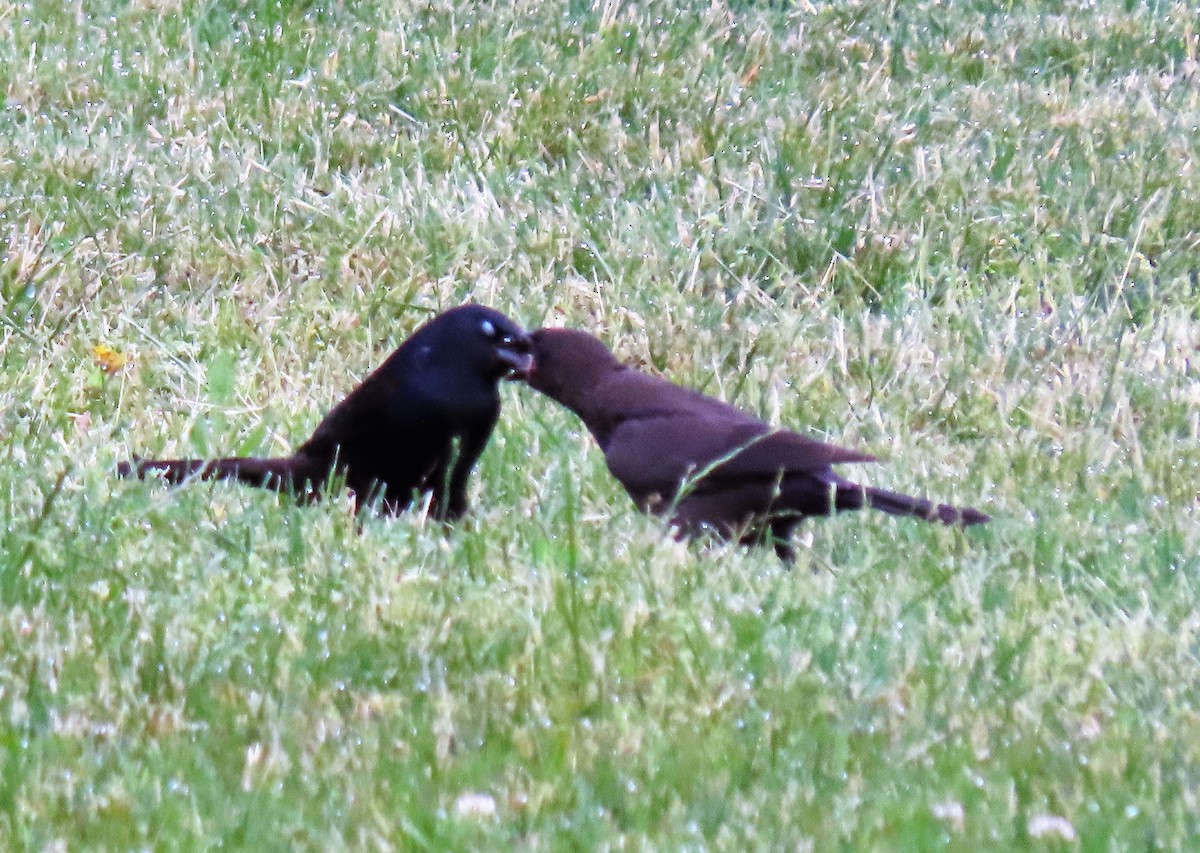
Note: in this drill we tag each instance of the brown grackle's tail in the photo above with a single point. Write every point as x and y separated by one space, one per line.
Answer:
895 503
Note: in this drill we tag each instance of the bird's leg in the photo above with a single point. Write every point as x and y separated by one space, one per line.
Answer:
452 502
781 538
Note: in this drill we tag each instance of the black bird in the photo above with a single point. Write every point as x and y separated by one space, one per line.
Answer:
416 424
705 464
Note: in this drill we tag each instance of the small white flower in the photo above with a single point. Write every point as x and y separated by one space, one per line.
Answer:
1043 825
950 811
475 805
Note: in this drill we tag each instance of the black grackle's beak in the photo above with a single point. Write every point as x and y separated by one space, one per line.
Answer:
516 354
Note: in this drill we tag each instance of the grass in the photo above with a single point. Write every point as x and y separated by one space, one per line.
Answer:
962 236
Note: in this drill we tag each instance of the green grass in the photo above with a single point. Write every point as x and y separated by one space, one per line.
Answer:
962 236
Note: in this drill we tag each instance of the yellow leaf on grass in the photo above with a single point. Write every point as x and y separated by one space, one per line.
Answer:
109 359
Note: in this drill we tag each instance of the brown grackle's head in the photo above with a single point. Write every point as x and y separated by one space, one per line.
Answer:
568 362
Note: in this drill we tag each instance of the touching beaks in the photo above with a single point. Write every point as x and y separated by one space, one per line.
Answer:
515 353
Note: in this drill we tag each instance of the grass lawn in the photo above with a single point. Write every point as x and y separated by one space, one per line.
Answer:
963 236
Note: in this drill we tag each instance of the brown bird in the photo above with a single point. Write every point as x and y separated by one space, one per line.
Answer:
705 464
417 424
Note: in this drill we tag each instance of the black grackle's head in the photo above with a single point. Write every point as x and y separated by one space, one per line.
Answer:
481 338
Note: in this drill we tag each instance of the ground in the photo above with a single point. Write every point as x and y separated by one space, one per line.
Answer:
964 237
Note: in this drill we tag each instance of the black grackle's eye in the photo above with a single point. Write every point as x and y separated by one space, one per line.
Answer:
488 329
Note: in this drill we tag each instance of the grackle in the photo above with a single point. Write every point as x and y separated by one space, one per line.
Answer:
416 425
703 463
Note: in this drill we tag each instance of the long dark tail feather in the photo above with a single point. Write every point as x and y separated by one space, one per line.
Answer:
280 474
895 503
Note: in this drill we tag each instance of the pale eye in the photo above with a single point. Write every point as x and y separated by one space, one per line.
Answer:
489 331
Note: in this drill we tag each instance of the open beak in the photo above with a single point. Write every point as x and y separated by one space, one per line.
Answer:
516 354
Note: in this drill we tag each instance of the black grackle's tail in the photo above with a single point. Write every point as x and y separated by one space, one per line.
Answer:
282 474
